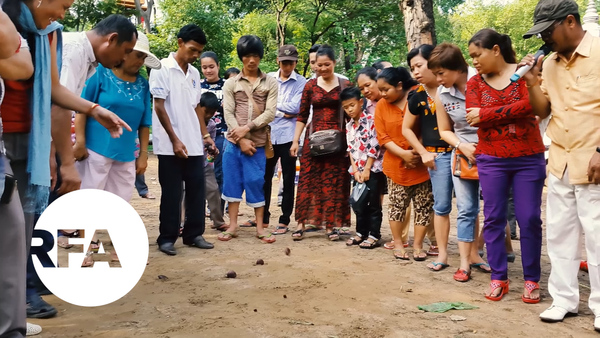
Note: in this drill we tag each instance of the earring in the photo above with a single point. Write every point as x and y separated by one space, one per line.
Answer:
39 4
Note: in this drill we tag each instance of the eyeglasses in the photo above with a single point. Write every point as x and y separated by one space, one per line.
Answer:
548 32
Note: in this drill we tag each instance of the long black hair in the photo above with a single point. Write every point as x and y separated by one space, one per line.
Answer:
488 38
423 50
370 72
394 76
12 8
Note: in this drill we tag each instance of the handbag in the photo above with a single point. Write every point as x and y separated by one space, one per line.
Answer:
330 141
269 151
463 168
358 195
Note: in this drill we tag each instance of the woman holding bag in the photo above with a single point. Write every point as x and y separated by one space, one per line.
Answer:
324 184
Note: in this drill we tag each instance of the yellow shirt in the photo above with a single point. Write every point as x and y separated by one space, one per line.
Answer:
573 89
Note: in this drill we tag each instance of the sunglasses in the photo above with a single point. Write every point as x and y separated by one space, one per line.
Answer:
548 32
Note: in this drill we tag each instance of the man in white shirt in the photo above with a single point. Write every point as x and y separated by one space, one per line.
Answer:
178 130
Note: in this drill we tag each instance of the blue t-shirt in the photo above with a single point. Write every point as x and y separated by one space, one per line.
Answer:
129 100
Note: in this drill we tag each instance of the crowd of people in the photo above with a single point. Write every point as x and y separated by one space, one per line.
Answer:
77 114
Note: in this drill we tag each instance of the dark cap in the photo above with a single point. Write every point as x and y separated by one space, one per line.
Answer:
547 12
287 53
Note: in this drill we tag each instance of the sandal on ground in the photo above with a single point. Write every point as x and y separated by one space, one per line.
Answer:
480 267
511 257
334 235
369 243
344 231
433 250
148 196
226 236
354 240
437 266
401 254
298 235
417 255
497 284
248 224
462 275
63 242
88 261
390 245
267 239
530 287
222 227
313 228
95 246
278 230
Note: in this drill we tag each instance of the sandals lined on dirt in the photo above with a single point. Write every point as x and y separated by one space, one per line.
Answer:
530 287
313 228
334 235
433 251
479 266
390 245
222 227
369 243
267 239
437 266
344 231
497 284
401 254
462 275
417 255
278 231
226 236
249 224
298 235
354 240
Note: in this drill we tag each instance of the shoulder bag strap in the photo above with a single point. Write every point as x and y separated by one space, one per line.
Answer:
342 83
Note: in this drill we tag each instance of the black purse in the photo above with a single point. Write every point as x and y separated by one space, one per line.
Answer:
330 141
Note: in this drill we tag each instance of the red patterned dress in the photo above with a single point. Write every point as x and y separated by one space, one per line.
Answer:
324 184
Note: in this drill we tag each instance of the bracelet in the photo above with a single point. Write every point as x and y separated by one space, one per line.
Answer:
207 135
457 145
94 106
143 151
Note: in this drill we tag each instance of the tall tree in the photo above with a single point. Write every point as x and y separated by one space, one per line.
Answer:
282 12
419 23
145 14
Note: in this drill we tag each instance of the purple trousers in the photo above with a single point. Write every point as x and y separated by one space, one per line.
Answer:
526 176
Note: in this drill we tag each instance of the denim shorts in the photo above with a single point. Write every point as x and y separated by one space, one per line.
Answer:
467 203
441 181
244 173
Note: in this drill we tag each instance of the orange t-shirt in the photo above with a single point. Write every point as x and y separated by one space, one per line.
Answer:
388 124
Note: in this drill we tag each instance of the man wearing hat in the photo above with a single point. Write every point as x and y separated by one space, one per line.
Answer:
569 91
291 85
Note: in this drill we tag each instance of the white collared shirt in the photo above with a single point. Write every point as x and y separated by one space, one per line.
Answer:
78 61
181 93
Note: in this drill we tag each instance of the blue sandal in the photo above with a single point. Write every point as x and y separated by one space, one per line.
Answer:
479 266
435 266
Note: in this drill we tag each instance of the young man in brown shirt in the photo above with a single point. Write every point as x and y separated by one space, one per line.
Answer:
249 104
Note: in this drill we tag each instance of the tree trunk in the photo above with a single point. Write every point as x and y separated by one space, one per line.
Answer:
419 24
145 14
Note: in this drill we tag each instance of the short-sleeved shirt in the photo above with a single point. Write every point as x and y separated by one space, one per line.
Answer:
181 92
572 86
129 100
217 89
363 144
388 123
422 105
455 105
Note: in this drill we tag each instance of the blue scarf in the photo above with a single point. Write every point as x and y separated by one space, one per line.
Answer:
38 161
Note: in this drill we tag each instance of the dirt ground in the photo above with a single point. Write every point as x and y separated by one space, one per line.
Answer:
322 289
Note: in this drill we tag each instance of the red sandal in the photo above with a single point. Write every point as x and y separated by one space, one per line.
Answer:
462 275
495 284
530 287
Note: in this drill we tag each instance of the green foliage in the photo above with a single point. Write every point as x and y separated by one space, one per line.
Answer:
84 14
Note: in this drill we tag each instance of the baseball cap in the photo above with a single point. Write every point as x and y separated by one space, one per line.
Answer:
287 53
547 12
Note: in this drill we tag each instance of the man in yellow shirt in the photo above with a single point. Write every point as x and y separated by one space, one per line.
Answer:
569 91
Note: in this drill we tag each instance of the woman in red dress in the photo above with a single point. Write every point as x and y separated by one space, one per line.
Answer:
324 185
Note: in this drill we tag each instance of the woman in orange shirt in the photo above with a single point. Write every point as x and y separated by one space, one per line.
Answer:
408 178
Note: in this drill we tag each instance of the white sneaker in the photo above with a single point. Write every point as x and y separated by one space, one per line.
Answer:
33 329
555 314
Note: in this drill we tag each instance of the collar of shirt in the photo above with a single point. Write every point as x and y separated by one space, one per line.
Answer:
89 50
172 63
584 49
361 121
261 75
452 90
293 76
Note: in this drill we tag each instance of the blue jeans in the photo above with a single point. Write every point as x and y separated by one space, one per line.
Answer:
441 183
140 184
467 203
244 173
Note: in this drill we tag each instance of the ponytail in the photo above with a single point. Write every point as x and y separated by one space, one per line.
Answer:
394 76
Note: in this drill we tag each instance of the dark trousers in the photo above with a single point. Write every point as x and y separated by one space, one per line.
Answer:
220 143
526 176
172 173
368 210
288 170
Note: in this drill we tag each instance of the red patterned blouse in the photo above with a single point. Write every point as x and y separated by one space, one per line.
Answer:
508 127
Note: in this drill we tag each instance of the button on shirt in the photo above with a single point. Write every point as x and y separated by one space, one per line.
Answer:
571 86
181 93
454 103
288 102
